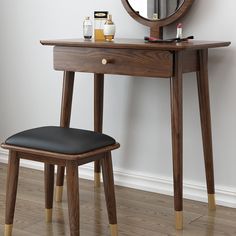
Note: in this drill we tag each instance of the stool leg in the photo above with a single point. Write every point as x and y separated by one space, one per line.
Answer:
109 189
12 182
49 185
177 139
66 104
98 119
97 174
73 196
205 114
60 183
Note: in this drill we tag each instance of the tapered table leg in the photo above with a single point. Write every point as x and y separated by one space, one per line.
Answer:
98 119
60 183
177 138
108 180
73 197
12 182
205 114
66 104
49 185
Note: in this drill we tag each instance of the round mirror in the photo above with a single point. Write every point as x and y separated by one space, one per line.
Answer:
157 13
155 9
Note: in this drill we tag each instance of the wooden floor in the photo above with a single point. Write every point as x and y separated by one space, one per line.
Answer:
139 213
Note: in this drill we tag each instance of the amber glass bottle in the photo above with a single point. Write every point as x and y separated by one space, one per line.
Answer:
109 29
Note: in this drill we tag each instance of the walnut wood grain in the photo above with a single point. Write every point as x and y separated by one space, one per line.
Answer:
71 161
137 58
190 61
56 161
177 131
12 182
49 185
109 190
156 32
98 102
143 62
66 105
67 95
59 156
205 114
40 157
73 197
136 44
98 110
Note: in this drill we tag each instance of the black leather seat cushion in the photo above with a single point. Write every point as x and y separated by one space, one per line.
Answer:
60 140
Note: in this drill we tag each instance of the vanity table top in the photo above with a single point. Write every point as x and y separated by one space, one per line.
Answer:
135 44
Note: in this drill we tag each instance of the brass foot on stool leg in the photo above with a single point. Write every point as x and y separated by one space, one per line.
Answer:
114 230
179 219
97 179
59 192
8 230
211 202
48 215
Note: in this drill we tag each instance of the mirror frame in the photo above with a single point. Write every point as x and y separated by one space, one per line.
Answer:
156 26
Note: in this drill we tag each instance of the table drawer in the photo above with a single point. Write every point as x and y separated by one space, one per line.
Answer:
151 63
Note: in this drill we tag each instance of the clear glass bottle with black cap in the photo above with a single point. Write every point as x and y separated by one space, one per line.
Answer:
87 28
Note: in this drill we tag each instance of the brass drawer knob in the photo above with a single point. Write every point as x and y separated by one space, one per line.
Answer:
105 61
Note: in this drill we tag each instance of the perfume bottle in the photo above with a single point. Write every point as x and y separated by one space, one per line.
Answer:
179 33
87 28
100 18
109 29
155 16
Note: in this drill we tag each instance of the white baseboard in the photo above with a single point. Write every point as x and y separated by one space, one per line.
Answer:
225 196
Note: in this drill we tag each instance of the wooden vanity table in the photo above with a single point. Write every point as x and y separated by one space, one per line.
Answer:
137 58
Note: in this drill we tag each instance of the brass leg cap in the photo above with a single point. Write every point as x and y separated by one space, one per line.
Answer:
8 230
48 215
114 230
211 202
59 192
179 220
97 179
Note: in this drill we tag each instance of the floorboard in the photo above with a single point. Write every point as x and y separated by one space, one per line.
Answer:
140 213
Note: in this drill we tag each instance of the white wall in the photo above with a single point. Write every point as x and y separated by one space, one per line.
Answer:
137 110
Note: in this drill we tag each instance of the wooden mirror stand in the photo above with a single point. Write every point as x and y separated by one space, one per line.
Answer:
156 26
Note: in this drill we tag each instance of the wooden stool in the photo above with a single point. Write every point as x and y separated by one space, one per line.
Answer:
64 147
